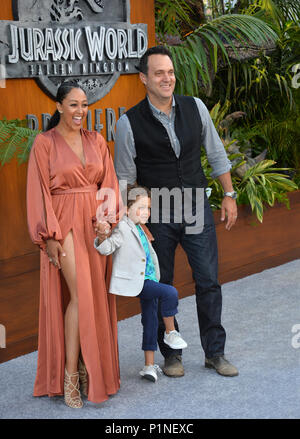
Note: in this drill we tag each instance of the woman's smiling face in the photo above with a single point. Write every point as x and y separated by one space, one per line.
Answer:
73 109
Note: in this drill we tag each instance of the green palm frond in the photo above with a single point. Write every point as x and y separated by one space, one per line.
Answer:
28 136
263 183
196 59
15 140
217 114
284 9
266 10
168 13
290 9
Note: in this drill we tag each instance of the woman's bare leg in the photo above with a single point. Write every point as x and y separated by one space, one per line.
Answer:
72 342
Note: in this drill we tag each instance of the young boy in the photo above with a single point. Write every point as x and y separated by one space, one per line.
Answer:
135 272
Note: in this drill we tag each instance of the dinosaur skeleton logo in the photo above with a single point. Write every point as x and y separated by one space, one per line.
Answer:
96 5
64 10
90 41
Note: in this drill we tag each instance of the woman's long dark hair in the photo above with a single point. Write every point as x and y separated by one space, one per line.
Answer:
62 92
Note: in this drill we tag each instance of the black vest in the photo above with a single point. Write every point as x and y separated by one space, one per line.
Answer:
156 162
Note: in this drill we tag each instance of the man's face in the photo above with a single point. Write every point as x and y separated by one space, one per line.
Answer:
160 79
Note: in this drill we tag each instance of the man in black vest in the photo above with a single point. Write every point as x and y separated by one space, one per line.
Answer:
158 145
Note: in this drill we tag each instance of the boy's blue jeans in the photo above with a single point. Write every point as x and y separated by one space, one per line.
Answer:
152 292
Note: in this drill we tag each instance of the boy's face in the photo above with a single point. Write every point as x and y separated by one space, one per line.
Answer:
139 211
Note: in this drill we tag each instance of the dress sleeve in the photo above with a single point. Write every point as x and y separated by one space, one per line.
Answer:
110 207
42 222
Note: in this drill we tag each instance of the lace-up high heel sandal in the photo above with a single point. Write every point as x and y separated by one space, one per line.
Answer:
83 378
69 388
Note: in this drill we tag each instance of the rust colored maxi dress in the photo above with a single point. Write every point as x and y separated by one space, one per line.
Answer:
61 197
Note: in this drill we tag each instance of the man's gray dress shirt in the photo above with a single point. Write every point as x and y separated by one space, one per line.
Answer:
125 151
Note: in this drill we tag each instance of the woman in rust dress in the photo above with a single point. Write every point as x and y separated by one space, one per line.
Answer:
77 317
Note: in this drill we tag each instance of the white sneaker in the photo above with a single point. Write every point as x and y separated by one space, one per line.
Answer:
150 372
174 340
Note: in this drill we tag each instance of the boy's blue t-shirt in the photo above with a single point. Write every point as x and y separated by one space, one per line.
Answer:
150 269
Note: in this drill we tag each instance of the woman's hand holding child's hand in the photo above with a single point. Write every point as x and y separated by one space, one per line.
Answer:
103 230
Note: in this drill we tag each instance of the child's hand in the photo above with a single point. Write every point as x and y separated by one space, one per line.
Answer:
103 230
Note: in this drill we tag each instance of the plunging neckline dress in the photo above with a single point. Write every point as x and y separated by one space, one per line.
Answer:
62 197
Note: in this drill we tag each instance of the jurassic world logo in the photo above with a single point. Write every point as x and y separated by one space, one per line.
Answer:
90 41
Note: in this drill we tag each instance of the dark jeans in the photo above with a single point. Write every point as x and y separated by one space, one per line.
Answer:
202 253
152 292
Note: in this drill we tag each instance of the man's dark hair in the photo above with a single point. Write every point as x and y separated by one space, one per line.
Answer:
156 50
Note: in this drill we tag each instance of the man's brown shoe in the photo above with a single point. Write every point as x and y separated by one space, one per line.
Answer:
173 366
222 366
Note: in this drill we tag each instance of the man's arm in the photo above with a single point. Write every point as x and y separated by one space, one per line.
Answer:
219 162
228 206
212 143
125 153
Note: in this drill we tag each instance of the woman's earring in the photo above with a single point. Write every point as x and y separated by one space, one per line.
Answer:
61 112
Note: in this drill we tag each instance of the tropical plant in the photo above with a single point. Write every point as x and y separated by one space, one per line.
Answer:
264 184
170 14
279 133
197 54
258 185
261 185
265 82
15 140
263 87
